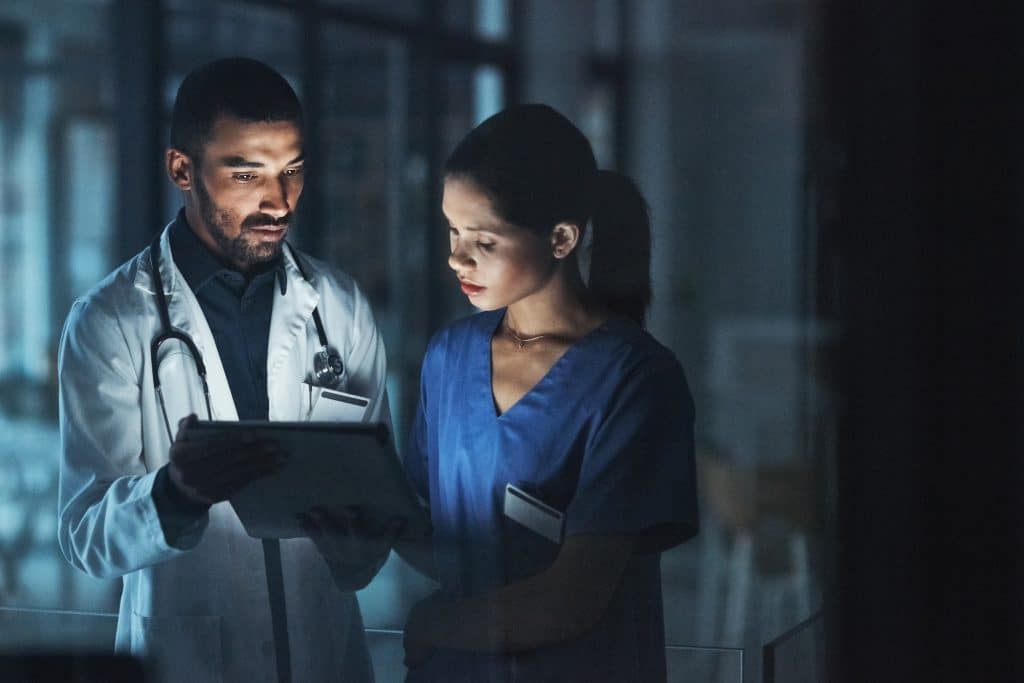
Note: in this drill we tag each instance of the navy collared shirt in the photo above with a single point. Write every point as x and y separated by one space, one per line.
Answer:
238 308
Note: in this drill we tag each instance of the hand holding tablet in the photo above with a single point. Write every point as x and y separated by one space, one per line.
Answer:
331 466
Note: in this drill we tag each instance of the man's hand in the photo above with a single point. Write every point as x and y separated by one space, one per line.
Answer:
210 470
353 546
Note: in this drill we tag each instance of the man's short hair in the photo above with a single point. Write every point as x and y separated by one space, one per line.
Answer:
237 87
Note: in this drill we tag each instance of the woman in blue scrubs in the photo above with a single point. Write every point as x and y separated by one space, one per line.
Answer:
556 389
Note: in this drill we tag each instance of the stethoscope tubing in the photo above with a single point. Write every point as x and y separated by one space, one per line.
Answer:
169 332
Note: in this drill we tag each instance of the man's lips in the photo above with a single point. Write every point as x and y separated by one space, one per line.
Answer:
268 231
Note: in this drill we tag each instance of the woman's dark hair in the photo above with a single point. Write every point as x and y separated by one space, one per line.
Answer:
539 170
237 87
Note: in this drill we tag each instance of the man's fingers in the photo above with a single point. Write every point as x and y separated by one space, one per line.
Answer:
184 423
218 446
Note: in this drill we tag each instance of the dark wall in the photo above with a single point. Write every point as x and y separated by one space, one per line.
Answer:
924 110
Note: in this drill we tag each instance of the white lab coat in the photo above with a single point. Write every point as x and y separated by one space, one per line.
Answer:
202 613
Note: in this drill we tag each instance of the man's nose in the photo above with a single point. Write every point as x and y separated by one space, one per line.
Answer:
275 201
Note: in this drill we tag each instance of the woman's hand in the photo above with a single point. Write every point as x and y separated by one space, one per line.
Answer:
354 547
424 620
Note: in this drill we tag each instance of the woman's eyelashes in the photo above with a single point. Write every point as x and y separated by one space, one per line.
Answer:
484 246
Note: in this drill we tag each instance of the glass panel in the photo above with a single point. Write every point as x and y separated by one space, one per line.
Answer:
387 654
721 162
375 182
704 664
400 9
797 656
56 217
487 19
27 630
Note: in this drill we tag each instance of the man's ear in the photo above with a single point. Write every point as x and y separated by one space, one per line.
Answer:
564 238
180 169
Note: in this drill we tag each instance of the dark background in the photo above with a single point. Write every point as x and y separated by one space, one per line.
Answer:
836 200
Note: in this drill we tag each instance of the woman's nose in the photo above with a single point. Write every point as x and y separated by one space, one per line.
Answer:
459 260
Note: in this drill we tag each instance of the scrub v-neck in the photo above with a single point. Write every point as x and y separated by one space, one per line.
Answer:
538 387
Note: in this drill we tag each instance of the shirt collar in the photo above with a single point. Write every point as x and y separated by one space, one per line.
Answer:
197 263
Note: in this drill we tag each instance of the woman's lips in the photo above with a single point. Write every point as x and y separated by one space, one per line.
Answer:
470 289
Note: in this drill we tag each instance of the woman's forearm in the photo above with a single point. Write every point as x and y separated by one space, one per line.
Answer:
521 616
557 604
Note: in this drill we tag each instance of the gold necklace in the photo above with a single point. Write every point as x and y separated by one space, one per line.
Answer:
519 340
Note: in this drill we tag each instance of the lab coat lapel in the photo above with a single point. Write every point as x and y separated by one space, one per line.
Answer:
288 345
187 316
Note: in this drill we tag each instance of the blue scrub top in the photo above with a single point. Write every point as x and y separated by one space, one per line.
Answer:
606 436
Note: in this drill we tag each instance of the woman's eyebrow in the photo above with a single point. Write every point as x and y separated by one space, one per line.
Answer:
497 230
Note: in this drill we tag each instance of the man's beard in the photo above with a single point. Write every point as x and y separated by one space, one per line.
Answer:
238 250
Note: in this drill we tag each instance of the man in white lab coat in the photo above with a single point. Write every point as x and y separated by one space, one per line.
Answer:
139 503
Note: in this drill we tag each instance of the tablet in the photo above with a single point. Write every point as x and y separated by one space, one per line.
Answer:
331 465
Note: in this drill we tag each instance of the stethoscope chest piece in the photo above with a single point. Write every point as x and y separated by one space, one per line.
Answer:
328 370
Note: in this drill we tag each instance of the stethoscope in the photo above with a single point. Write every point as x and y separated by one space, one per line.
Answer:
328 370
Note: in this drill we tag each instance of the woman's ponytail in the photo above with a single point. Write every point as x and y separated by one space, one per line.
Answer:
620 252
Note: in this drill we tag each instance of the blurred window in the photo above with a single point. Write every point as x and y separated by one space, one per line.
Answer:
400 9
606 35
57 195
487 19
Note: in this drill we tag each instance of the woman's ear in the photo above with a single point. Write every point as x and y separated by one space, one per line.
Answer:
564 238
180 169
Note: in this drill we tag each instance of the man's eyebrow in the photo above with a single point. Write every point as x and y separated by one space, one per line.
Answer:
236 161
239 162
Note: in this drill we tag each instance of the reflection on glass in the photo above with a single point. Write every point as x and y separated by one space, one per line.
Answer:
732 302
375 180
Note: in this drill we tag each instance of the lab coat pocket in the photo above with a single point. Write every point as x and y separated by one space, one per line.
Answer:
330 405
180 648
